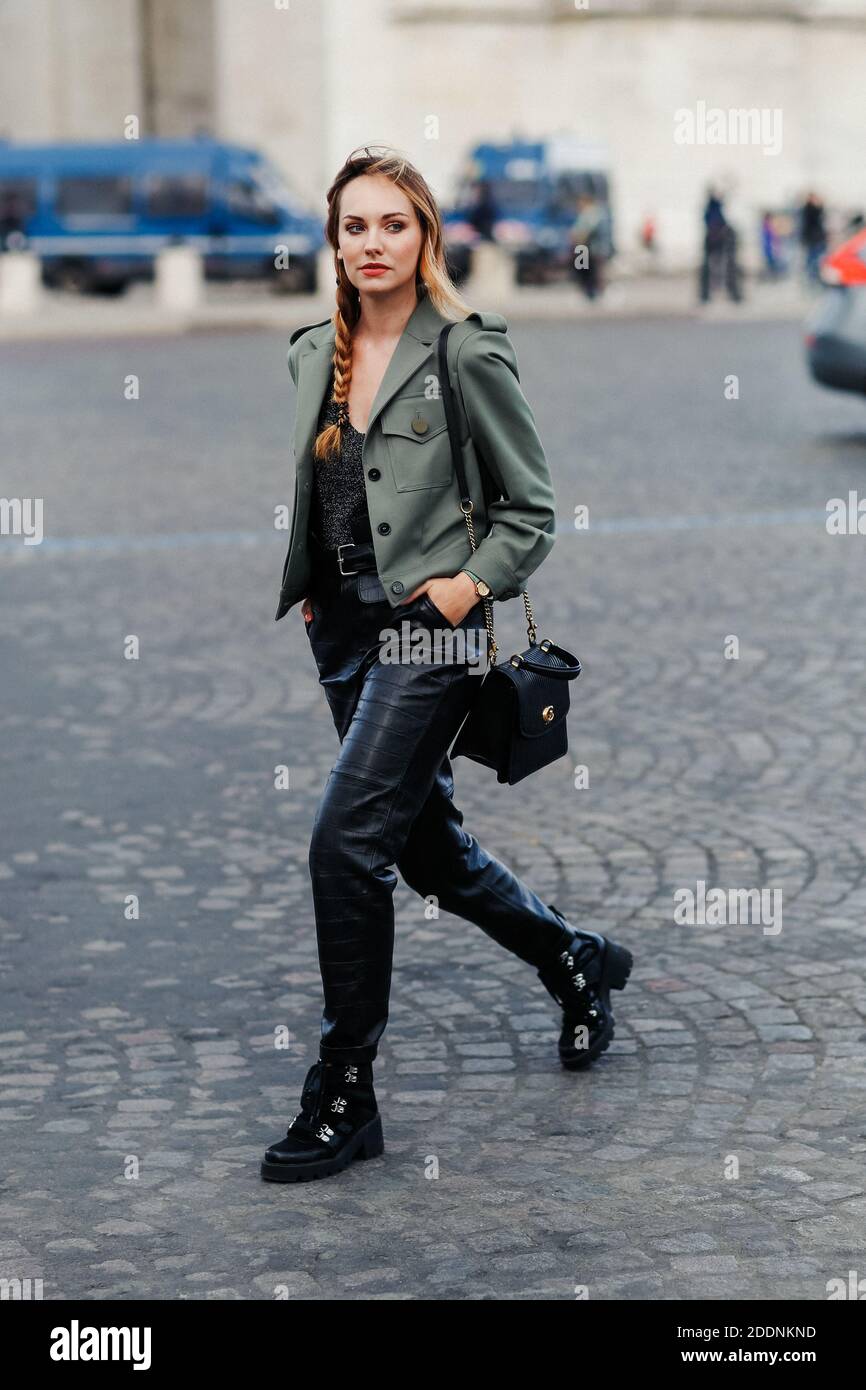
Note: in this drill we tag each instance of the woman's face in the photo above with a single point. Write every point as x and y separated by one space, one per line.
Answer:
378 234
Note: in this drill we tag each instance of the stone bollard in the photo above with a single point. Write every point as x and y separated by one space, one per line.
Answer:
491 278
179 278
20 282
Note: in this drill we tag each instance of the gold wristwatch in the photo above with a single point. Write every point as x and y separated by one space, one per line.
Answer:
482 589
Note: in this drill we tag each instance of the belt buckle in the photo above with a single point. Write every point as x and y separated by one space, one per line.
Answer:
340 558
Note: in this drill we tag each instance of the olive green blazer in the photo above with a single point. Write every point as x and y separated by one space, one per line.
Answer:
412 494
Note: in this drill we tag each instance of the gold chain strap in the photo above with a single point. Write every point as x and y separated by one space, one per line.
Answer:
492 647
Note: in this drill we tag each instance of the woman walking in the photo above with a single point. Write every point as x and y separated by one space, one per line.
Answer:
378 540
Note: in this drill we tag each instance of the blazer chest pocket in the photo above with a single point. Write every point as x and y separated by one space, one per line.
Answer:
416 432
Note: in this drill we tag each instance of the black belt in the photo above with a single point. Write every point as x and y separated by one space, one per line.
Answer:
351 557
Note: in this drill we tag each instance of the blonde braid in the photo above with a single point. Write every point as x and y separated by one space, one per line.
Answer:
328 443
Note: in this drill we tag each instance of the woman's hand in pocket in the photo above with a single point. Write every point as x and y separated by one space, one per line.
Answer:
453 597
307 610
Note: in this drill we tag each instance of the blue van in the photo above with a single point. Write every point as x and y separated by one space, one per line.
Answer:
97 214
523 196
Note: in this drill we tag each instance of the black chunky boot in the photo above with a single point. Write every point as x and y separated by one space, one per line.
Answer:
580 979
338 1121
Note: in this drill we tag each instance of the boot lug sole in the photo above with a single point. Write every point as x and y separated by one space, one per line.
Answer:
367 1143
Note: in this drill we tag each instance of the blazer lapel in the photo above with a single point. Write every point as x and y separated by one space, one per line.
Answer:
411 352
314 368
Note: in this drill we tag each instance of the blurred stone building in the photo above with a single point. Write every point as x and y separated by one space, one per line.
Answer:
307 80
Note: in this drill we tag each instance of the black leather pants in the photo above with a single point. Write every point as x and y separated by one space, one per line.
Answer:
388 800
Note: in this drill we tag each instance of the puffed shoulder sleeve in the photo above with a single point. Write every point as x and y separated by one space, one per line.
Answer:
523 521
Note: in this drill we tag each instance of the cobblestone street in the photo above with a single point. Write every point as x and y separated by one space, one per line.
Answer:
718 1149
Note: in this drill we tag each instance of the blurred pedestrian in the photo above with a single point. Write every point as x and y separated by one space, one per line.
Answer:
770 246
813 235
483 214
592 242
12 220
719 264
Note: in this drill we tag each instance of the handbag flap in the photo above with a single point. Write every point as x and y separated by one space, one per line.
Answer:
542 702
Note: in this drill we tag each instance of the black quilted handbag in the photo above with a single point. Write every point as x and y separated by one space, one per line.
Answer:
517 723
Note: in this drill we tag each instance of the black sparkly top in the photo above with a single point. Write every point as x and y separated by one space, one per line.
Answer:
339 494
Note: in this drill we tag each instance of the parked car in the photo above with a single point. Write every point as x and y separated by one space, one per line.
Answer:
98 214
836 331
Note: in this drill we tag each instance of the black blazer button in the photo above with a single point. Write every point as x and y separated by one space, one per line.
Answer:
374 474
383 528
397 587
